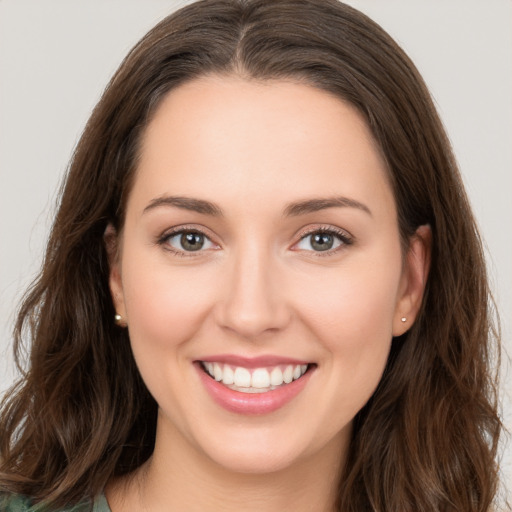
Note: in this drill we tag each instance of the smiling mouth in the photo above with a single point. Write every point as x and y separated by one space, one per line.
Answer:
257 380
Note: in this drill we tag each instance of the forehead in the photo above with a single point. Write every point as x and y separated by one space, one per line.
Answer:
263 142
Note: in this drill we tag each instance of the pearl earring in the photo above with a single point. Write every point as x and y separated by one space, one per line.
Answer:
118 318
404 319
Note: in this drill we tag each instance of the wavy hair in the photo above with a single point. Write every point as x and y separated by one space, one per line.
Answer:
427 439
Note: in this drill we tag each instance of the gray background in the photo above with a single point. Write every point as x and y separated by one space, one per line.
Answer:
57 55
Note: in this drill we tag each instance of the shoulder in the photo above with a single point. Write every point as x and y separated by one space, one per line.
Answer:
15 503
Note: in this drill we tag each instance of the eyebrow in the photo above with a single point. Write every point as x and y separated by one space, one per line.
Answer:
186 203
317 204
291 210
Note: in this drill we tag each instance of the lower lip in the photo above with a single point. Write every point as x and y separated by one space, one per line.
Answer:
252 403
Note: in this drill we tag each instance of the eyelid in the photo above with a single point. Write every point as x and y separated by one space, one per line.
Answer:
345 237
192 228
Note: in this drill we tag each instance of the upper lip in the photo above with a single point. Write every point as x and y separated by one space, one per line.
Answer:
253 362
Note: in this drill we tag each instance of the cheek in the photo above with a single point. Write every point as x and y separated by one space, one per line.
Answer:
352 319
352 303
165 306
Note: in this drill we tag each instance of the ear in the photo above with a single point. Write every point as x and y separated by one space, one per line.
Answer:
111 240
414 280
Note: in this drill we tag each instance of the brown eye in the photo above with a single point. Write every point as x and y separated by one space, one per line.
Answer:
188 241
322 241
192 241
326 240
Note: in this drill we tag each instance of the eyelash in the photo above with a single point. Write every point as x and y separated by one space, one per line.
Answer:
164 240
341 235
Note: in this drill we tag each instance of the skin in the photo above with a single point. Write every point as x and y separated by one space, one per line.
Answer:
258 287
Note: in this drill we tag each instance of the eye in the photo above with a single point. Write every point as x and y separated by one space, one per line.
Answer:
188 241
323 241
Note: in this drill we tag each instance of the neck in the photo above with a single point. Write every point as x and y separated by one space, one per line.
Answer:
180 477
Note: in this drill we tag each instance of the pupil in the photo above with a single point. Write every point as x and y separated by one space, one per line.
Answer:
192 241
322 242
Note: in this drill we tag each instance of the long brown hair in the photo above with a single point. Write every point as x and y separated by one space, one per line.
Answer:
81 414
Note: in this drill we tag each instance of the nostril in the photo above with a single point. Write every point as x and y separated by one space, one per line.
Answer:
252 301
253 320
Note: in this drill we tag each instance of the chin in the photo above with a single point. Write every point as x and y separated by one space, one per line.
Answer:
269 449
256 461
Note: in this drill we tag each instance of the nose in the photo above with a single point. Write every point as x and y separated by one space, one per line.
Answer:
253 302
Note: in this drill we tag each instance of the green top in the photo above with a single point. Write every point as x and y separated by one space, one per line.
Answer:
22 504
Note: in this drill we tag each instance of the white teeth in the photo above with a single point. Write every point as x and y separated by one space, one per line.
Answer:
276 377
217 372
288 374
242 377
256 381
229 375
260 378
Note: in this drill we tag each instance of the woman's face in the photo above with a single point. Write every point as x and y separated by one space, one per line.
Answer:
261 246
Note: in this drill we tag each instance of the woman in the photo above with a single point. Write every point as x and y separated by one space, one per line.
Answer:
264 287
